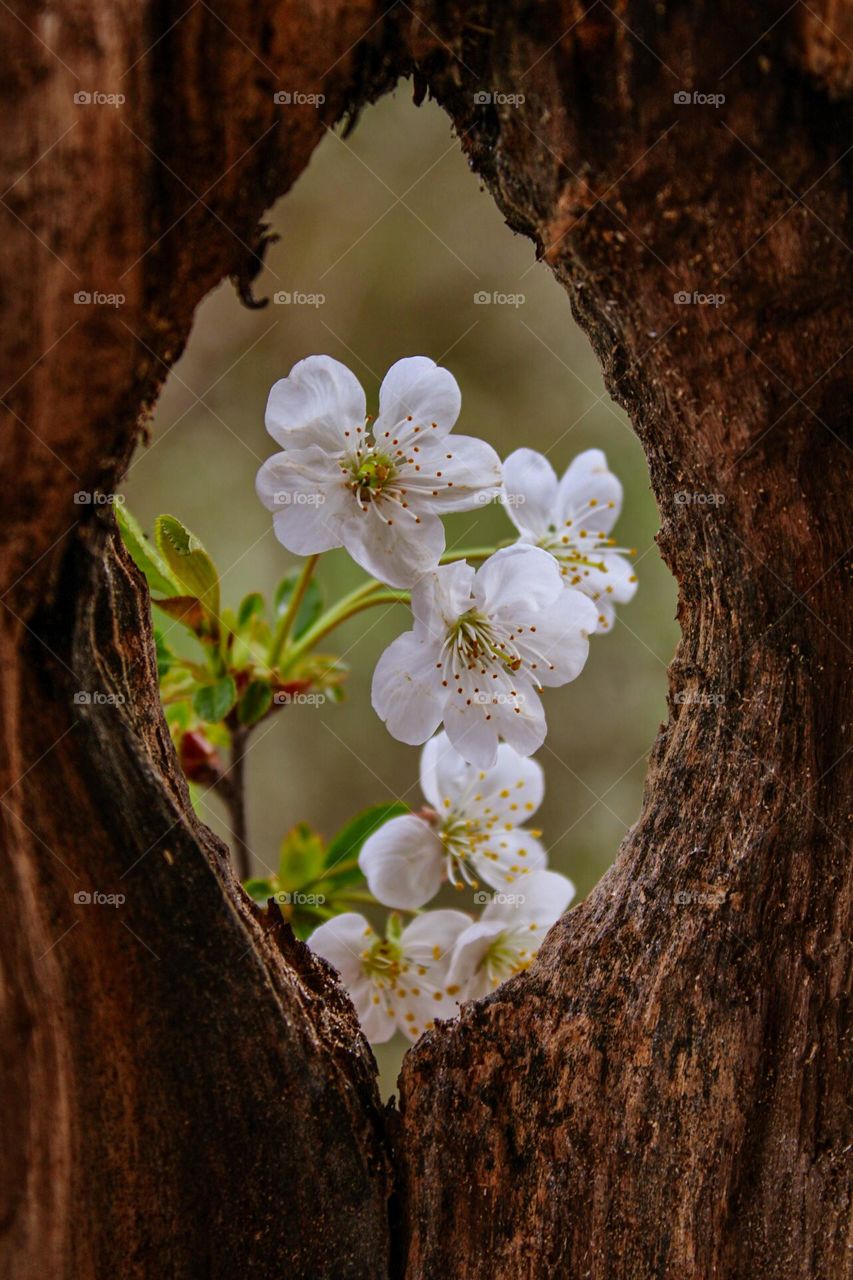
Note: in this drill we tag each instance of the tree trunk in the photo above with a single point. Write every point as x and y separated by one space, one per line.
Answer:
663 1094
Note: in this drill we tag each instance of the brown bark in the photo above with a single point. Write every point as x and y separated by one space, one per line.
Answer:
664 1094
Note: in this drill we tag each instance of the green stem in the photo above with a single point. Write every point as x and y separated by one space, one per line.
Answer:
474 553
336 616
288 617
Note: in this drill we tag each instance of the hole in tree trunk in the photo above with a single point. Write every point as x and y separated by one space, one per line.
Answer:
370 278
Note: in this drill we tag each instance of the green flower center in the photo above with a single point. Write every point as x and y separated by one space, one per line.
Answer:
473 640
372 474
384 961
502 960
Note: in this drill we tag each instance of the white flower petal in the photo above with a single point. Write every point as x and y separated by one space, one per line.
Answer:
589 494
511 791
406 691
614 583
429 938
522 722
416 393
304 490
510 859
472 734
542 897
444 775
517 580
318 401
558 641
530 492
456 474
469 954
403 862
389 545
377 1021
440 597
341 941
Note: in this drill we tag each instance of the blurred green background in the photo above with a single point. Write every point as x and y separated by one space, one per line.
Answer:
394 232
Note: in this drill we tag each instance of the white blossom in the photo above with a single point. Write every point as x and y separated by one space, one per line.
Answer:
483 643
572 518
377 488
399 980
506 938
472 832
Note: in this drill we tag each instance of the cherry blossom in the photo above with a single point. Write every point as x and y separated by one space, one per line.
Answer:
471 833
572 518
508 935
377 488
399 981
483 643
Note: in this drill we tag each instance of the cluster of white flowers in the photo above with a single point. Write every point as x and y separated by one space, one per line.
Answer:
483 645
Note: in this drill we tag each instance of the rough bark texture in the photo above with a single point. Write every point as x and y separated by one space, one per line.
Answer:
664 1094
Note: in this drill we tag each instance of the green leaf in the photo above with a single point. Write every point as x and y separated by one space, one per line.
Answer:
346 845
144 554
255 702
213 701
165 657
301 857
188 561
260 890
310 608
249 606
